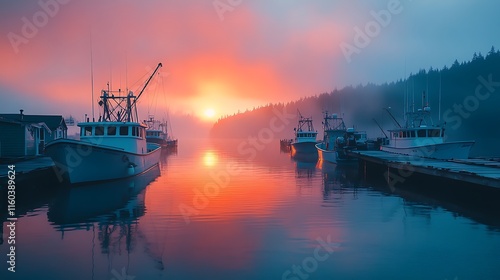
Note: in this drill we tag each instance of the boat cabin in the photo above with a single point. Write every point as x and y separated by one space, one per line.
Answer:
420 132
129 136
155 134
306 134
305 130
416 136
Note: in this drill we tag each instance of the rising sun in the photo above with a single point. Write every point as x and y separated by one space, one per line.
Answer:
209 113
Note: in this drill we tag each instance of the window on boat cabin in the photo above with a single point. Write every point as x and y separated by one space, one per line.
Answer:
124 130
395 135
412 133
404 134
442 132
434 132
141 132
134 131
111 130
86 131
421 133
99 130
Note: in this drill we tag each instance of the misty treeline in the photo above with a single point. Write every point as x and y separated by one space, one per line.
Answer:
470 102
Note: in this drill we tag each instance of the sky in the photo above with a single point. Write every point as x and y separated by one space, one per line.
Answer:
224 56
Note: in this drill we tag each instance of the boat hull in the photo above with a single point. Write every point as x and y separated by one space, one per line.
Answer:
448 150
166 144
79 162
332 156
90 202
303 147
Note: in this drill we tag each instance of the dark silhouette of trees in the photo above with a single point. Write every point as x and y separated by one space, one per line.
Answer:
360 104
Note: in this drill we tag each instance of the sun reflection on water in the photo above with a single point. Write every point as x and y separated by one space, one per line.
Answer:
210 159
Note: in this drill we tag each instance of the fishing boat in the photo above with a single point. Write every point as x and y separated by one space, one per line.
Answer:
157 133
305 136
338 140
113 147
422 138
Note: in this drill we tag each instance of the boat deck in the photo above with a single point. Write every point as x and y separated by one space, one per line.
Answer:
484 172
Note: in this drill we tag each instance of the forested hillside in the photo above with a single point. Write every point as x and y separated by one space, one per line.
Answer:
470 101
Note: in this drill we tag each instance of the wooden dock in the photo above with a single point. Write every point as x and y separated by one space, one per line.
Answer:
26 168
475 171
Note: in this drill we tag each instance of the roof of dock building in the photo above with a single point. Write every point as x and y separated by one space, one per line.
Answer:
52 121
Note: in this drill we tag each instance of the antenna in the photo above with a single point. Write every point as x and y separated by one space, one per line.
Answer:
110 73
126 71
427 87
92 74
413 93
423 99
405 99
439 107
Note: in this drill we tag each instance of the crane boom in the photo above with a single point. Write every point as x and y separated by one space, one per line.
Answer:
147 82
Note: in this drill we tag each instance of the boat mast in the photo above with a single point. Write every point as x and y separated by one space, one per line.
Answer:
439 107
92 75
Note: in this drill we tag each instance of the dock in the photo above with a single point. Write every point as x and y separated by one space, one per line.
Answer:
27 168
484 172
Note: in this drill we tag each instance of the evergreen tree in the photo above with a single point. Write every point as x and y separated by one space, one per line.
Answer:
492 51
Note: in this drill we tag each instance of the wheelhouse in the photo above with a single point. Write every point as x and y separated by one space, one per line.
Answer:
306 134
420 132
112 129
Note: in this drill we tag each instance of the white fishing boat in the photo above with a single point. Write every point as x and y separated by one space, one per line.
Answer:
157 132
113 147
305 136
421 138
338 140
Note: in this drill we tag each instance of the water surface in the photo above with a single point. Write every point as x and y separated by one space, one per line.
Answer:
213 211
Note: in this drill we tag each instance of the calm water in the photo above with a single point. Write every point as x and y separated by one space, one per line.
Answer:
213 212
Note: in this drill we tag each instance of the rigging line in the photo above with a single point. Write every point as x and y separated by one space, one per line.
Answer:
155 94
141 79
155 97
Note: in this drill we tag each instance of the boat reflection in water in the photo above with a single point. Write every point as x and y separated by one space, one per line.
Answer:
305 163
338 179
119 200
